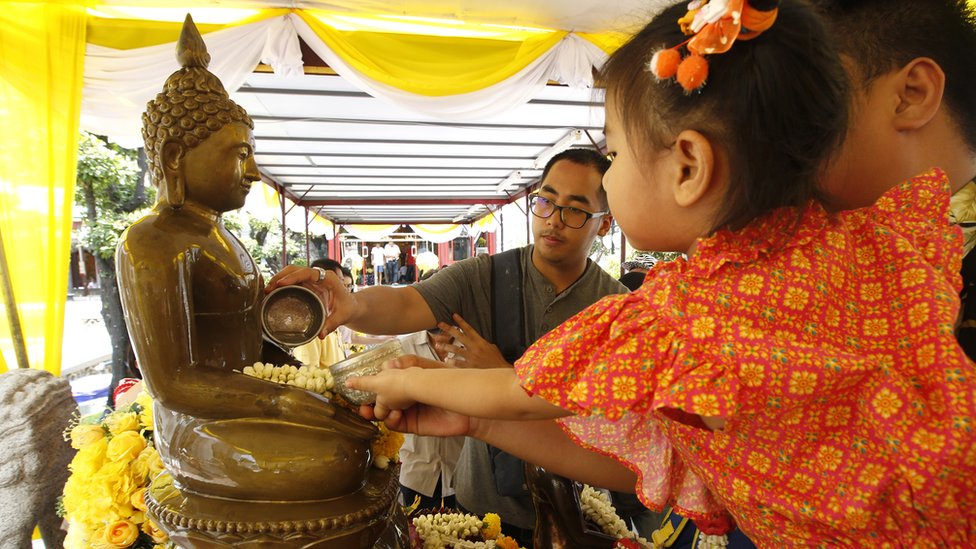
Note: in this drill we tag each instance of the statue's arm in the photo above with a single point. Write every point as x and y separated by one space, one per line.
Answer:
157 297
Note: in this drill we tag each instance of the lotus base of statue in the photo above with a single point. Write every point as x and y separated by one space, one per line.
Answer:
369 517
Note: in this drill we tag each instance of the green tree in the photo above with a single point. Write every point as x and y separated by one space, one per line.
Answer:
111 188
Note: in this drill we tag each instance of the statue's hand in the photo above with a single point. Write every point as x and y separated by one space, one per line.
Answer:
313 409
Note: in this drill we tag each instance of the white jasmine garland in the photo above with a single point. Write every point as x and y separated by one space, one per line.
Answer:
310 378
450 530
597 508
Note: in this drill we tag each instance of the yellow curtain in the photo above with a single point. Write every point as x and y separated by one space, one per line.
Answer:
430 64
116 31
42 51
606 41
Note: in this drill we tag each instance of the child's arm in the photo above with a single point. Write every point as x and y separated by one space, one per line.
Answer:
487 393
541 442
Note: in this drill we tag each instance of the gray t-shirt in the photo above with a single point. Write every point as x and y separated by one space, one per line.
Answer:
465 288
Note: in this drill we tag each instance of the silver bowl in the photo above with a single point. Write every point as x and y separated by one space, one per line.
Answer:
292 315
366 363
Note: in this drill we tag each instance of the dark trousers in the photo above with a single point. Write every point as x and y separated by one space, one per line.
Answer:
392 272
432 502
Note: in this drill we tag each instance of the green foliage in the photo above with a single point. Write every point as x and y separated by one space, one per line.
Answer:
102 237
108 193
262 239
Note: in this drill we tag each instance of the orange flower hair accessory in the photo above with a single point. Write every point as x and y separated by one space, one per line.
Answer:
714 25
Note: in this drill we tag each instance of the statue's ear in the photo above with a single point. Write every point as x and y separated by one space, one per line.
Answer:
172 161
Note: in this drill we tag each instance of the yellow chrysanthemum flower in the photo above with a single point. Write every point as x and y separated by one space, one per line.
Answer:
125 446
388 443
491 527
121 422
82 435
146 415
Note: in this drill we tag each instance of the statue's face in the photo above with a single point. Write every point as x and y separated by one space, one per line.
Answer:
219 171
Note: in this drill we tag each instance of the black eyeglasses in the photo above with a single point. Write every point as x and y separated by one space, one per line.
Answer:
571 216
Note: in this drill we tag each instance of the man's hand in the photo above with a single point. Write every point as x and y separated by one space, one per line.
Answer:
421 419
339 302
469 348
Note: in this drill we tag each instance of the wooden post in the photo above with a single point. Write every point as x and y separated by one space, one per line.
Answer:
13 317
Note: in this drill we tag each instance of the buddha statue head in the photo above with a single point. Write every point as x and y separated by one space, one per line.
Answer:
199 143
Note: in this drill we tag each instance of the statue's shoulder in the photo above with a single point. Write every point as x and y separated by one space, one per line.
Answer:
152 236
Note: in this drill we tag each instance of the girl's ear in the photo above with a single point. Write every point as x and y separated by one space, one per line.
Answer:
920 85
694 162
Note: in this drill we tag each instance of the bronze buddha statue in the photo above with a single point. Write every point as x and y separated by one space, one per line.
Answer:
264 460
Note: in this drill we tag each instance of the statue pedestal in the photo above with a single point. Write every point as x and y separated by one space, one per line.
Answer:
368 518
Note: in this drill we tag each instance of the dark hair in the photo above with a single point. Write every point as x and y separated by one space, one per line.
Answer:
776 104
584 157
346 272
880 36
633 280
328 264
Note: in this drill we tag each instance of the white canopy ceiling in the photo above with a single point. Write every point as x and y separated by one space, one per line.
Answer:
355 158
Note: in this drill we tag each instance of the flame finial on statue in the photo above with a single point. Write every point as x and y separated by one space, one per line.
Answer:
191 51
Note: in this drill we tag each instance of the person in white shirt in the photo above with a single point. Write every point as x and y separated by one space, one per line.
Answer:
392 253
378 259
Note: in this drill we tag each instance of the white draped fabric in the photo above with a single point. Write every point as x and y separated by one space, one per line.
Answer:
371 232
438 234
570 62
119 83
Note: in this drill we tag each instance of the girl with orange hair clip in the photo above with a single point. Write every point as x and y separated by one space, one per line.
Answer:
796 374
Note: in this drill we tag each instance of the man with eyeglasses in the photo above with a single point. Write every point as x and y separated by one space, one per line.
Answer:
569 210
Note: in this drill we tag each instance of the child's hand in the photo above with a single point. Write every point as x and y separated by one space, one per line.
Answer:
390 384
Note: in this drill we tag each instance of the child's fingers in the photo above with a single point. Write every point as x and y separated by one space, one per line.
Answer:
380 411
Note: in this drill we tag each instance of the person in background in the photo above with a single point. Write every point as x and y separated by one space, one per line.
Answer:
378 258
428 464
411 264
392 254
634 273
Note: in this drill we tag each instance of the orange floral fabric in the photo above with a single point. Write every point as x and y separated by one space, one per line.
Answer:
825 343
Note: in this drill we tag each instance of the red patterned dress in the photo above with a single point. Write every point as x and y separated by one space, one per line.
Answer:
826 344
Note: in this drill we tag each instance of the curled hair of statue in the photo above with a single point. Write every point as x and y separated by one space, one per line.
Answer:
192 106
714 26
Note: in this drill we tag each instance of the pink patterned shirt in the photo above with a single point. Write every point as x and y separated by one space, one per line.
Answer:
825 342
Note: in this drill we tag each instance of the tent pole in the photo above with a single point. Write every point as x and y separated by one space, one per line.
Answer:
13 318
284 229
308 253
